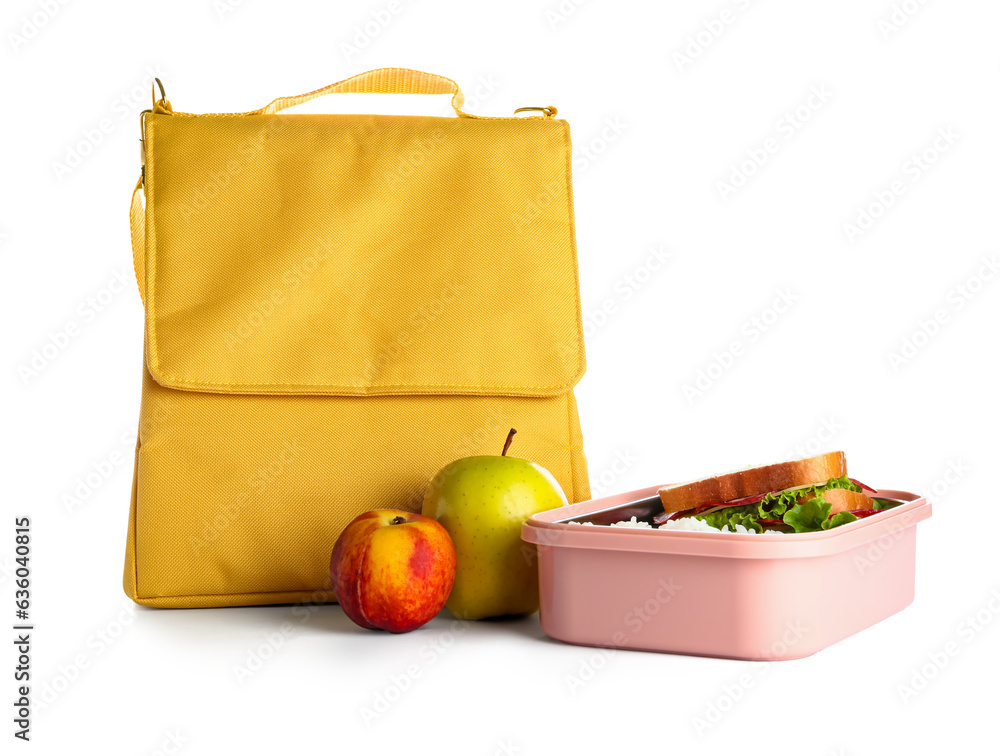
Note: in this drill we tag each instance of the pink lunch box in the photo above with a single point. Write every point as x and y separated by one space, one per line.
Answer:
759 597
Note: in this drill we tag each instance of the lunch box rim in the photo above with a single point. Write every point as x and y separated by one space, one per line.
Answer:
544 530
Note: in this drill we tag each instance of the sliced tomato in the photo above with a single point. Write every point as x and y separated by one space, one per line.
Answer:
862 513
747 500
866 489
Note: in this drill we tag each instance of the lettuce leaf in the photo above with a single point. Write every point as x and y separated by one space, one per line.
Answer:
807 516
814 514
732 516
778 505
841 518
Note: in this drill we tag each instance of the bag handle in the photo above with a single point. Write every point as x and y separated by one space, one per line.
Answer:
379 81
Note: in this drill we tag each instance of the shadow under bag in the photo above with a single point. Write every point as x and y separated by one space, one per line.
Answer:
336 306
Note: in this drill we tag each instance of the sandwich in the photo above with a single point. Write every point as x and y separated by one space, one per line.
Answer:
801 496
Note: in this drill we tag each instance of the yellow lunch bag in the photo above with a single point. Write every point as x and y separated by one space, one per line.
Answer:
336 306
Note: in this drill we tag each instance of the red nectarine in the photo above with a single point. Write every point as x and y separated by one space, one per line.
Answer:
392 569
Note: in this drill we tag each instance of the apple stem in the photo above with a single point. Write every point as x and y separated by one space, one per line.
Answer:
506 446
397 520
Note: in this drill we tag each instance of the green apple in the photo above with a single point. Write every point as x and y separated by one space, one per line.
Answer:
482 503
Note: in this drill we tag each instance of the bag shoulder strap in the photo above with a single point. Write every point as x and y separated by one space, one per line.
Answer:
137 220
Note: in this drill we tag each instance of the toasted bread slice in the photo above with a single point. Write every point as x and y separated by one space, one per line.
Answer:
842 500
753 481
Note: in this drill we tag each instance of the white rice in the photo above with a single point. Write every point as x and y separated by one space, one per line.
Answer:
690 523
633 523
684 523
693 523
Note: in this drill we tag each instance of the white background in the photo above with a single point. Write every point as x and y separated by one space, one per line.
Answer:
655 136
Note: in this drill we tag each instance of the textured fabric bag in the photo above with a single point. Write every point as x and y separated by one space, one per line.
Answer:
336 306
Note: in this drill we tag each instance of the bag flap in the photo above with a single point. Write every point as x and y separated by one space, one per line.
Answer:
361 254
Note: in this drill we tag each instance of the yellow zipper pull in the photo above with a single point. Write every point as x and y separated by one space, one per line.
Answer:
549 111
